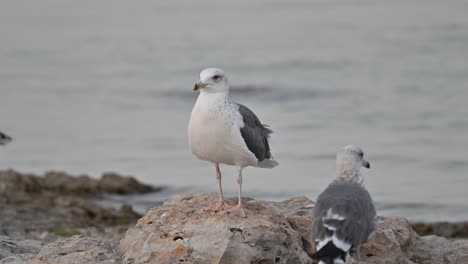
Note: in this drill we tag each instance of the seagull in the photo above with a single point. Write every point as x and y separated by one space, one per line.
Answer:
344 212
223 131
4 139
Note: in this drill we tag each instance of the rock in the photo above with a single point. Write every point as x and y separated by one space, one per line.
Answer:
18 188
182 231
114 183
77 250
64 184
274 232
434 249
32 205
31 221
389 243
396 242
12 251
444 229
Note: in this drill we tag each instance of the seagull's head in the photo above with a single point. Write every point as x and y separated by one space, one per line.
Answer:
350 160
212 80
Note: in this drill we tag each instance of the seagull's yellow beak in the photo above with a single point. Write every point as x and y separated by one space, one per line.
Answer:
198 86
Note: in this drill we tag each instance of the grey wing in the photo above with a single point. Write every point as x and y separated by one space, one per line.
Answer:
353 204
4 138
255 134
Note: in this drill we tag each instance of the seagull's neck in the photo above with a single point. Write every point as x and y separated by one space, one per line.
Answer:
214 97
350 174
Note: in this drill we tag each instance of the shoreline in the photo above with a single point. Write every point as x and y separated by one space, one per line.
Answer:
57 205
181 230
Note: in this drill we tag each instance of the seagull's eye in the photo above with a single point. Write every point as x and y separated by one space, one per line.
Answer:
216 77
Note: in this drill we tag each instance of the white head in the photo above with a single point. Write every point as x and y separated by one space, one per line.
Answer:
212 80
349 162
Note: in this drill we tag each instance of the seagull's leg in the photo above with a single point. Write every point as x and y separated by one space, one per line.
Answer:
221 205
220 186
358 254
238 210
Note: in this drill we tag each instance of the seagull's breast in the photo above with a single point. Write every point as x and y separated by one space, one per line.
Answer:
214 132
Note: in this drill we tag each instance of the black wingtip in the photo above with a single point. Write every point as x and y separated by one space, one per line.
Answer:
329 253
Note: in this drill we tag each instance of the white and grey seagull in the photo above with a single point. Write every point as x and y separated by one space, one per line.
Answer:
223 131
4 138
344 214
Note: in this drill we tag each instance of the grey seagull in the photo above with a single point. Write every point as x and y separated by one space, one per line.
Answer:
344 214
4 138
223 131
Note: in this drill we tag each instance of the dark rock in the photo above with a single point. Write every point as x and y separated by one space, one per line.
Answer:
18 188
444 229
64 184
114 183
31 205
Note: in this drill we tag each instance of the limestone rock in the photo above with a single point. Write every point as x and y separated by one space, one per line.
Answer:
77 250
274 232
13 251
434 249
182 231
389 244
396 242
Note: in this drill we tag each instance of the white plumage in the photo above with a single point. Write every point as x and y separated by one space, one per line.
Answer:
223 131
214 131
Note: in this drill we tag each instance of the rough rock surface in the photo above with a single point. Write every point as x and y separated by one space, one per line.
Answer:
444 229
33 206
77 250
396 242
29 221
12 251
18 188
182 231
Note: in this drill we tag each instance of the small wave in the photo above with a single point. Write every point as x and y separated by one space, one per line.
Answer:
266 93
424 212
388 205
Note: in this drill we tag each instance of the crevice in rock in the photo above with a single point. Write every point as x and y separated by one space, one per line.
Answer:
177 238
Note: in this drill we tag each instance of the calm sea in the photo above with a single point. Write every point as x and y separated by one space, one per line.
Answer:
94 86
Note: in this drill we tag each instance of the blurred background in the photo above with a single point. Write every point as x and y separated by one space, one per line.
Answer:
94 86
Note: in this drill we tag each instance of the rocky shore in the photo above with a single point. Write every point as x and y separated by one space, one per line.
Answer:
57 204
54 218
181 231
